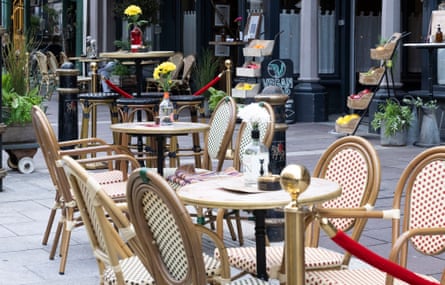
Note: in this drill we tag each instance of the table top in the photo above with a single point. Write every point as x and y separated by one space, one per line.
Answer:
425 45
136 55
226 43
211 194
150 128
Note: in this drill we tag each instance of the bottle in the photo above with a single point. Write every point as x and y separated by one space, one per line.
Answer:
439 35
166 110
442 5
255 162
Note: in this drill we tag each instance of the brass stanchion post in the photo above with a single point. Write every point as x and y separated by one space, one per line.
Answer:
228 64
294 179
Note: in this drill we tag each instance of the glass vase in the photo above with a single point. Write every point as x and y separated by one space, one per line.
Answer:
136 38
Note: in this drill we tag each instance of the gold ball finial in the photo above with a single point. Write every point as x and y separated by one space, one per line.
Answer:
93 66
228 63
295 179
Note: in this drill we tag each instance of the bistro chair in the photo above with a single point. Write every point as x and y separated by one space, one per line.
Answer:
113 177
182 85
418 225
244 137
113 241
353 163
170 243
47 78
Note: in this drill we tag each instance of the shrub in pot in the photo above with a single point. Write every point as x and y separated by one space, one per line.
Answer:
393 120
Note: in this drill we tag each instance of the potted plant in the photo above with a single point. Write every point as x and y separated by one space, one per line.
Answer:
393 120
121 76
429 130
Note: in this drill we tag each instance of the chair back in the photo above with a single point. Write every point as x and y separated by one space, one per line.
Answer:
96 207
42 62
421 188
353 163
222 125
244 135
53 63
163 225
50 149
178 60
62 58
189 62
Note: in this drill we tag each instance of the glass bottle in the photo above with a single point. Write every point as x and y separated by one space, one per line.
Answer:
439 35
442 5
255 161
166 110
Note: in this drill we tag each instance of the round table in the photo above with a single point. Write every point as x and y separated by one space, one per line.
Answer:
159 132
229 192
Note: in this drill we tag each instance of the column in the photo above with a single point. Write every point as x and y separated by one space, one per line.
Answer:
310 96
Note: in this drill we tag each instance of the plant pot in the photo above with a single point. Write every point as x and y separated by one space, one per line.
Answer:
429 130
17 133
398 139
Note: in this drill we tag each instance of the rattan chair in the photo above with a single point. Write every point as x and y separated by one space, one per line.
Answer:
244 137
169 240
113 242
418 225
47 78
182 85
114 179
353 163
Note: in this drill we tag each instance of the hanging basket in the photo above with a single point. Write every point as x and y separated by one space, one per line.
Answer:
384 53
373 76
347 128
360 103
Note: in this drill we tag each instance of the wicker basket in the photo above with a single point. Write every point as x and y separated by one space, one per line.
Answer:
360 103
385 53
347 128
372 77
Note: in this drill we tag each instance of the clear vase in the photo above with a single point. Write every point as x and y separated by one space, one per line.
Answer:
255 160
136 38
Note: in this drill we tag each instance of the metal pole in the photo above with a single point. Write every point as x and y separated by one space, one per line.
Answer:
2 126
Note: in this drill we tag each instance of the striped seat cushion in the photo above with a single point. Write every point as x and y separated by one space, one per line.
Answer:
249 281
244 258
134 273
348 277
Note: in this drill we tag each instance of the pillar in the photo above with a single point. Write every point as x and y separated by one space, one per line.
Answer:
310 96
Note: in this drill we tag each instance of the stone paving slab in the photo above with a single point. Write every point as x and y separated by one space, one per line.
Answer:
27 198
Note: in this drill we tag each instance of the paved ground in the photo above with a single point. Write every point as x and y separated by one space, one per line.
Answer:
27 198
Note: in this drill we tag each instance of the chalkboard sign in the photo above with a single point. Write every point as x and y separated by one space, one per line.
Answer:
278 72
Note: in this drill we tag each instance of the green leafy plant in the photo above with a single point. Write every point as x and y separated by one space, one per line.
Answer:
17 96
120 70
394 116
215 97
206 68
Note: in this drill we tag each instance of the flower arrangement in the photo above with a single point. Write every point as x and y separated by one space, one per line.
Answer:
254 114
163 75
132 13
239 32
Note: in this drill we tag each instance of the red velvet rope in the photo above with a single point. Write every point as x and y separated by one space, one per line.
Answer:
117 89
379 262
208 85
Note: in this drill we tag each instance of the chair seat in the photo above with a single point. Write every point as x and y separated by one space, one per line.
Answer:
347 277
186 98
249 281
133 270
137 101
244 258
99 96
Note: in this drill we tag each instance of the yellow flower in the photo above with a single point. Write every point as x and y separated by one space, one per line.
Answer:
163 74
133 10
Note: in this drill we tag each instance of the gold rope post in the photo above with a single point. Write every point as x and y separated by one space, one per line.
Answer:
228 64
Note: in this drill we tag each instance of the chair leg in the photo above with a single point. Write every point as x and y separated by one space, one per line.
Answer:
239 227
52 215
56 239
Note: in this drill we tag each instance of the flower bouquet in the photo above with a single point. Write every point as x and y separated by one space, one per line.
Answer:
163 75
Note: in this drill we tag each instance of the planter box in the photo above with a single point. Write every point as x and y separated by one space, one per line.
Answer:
259 48
238 92
246 71
19 134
